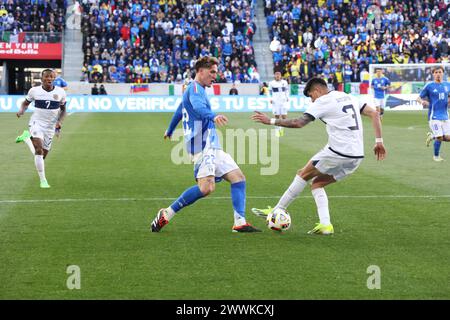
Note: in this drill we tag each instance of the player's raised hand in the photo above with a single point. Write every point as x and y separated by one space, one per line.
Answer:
379 151
260 117
221 120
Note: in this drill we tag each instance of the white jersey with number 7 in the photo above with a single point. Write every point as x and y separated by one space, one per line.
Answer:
47 105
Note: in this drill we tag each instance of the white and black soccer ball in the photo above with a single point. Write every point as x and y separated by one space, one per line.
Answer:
278 220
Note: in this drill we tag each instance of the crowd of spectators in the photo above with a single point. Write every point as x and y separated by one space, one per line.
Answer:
338 39
45 18
159 40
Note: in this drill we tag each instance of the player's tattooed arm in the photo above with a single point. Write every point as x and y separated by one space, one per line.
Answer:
288 123
295 123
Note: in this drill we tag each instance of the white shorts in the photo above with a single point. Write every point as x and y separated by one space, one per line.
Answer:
213 162
380 102
43 132
279 109
330 163
440 127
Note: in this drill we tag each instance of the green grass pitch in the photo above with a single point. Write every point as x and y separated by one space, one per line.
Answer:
110 173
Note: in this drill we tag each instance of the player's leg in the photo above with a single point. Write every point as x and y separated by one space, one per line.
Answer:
39 161
445 137
430 136
382 106
293 191
238 194
429 139
437 149
46 146
204 168
333 168
379 106
276 112
26 138
278 128
227 168
320 197
238 199
446 130
283 115
47 142
438 136
437 146
298 185
203 188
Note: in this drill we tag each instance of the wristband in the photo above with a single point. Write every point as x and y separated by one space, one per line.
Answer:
272 121
378 140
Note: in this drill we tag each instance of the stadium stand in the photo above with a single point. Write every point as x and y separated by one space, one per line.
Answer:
159 40
340 38
18 16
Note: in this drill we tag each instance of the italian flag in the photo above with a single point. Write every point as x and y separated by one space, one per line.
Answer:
213 90
175 89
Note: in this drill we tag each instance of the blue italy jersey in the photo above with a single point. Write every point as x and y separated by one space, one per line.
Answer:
377 83
198 120
437 95
60 82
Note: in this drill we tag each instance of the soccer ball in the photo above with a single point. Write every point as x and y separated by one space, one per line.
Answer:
278 220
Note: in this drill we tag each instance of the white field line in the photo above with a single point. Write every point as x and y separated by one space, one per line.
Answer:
8 201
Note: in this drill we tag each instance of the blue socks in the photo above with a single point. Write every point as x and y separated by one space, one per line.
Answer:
238 200
189 196
192 194
437 147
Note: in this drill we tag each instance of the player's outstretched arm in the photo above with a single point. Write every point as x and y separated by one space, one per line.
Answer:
423 102
288 123
378 149
220 120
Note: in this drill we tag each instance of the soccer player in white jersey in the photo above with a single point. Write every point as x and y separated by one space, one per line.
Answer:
339 158
50 110
279 99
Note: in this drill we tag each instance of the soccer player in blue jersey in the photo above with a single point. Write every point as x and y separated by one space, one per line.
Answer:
380 85
49 113
435 96
211 163
60 82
